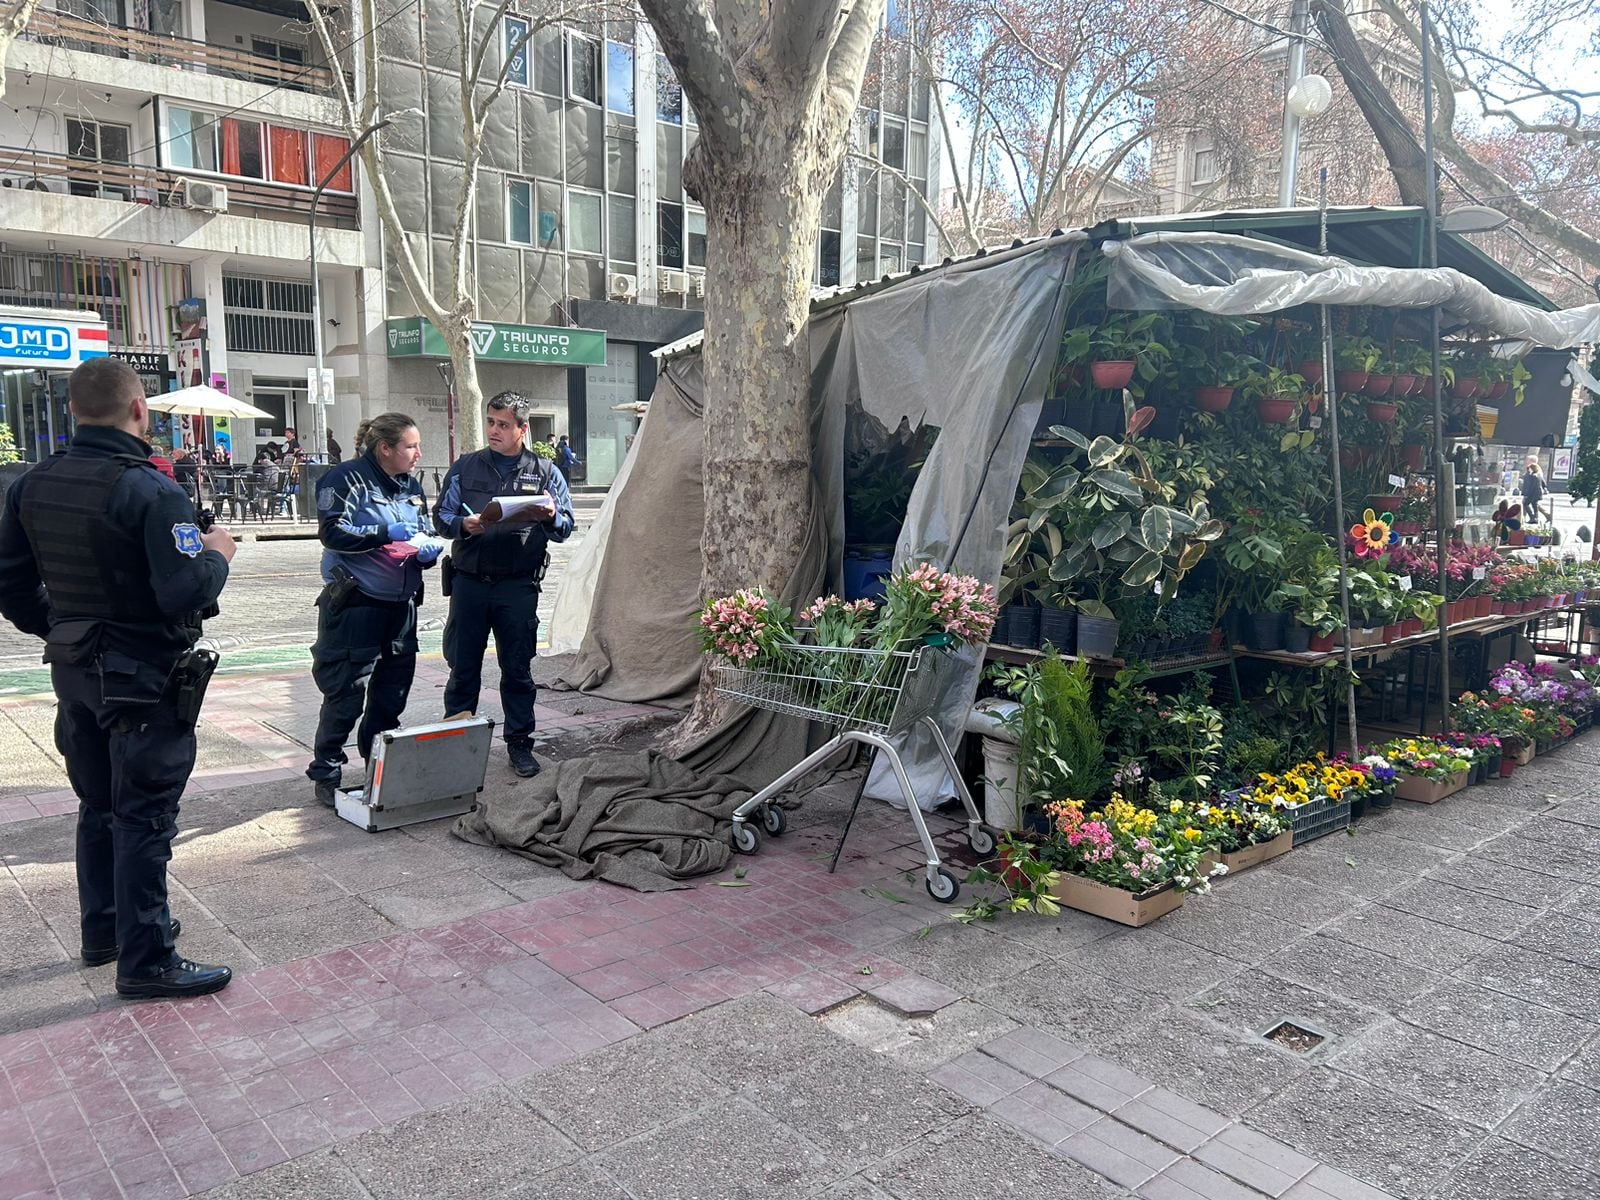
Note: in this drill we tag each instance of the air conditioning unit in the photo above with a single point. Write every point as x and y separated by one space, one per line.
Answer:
697 285
624 287
205 196
672 283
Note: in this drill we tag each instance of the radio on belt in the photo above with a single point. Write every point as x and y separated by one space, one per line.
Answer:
420 774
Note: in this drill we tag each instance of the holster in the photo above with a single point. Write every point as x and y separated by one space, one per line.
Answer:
336 595
447 575
190 678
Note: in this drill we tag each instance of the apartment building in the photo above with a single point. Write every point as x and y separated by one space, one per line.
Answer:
158 157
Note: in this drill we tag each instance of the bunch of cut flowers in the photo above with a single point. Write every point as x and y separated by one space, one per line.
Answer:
1427 758
748 628
923 604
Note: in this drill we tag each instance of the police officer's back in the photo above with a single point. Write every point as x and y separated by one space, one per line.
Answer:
103 557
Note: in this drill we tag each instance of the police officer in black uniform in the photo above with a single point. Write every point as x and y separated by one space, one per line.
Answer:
103 557
494 570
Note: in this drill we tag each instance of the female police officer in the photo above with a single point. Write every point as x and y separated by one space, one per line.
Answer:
368 511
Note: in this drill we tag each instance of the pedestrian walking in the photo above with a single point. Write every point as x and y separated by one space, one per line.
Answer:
104 558
335 451
566 458
1533 493
493 573
369 510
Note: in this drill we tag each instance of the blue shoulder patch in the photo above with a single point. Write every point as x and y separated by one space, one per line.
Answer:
327 499
187 539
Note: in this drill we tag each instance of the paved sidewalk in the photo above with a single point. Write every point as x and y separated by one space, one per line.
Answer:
432 1019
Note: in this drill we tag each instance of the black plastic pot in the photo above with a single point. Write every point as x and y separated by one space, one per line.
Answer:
1380 800
1000 635
1107 418
1097 636
1059 627
1296 637
1024 626
1358 808
1492 768
1264 631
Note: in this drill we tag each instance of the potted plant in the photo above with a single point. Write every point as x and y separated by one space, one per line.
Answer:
1430 770
1124 343
1354 358
1249 834
1278 393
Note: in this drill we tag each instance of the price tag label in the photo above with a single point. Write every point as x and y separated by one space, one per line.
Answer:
1577 674
1405 583
1156 587
1480 572
1315 422
1398 481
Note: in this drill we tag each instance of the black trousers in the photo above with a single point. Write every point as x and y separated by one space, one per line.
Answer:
508 608
128 765
363 661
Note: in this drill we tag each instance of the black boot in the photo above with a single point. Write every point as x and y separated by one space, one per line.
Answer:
327 791
183 978
101 955
520 752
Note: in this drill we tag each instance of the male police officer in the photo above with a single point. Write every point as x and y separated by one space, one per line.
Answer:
495 569
102 556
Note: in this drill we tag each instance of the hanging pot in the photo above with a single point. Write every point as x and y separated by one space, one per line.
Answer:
1112 374
1404 385
1411 455
1097 636
1466 389
1213 399
1383 414
1499 390
1349 457
1379 385
1059 627
1424 386
1310 371
1350 381
1275 410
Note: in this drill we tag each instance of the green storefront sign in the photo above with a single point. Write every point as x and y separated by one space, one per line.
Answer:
545 345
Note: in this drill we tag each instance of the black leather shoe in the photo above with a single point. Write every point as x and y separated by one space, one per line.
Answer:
327 792
98 958
183 978
522 760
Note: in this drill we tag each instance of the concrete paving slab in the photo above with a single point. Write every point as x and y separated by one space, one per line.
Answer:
1364 976
1162 966
1410 939
1561 1121
1253 1001
1504 1168
980 1157
1515 1029
1204 1062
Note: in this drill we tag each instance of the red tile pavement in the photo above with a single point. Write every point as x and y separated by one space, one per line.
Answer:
180 1097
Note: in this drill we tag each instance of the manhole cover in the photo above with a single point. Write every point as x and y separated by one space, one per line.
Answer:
1295 1037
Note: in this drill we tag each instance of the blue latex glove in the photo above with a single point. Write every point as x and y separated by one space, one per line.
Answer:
400 532
426 554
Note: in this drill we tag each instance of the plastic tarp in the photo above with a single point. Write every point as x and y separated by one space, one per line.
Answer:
1233 275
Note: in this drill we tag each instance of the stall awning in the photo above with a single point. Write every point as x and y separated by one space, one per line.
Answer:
50 339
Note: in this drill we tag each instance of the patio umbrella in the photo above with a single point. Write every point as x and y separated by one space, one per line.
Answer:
204 401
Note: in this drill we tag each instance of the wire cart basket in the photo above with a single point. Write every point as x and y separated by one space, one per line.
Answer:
865 696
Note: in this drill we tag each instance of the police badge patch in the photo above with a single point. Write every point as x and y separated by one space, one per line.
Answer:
187 539
327 499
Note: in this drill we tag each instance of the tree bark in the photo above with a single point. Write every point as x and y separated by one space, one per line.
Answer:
14 18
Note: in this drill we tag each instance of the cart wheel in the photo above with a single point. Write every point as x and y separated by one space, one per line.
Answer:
981 839
773 821
942 885
745 838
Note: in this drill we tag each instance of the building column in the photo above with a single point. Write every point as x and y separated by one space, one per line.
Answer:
205 281
644 107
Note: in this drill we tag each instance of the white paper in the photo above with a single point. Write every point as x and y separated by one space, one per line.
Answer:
1405 583
1577 674
1480 572
1397 481
422 541
1316 422
517 509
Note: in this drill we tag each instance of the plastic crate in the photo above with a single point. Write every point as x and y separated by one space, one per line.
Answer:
1318 819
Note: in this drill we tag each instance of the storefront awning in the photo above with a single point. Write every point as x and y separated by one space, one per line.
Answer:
50 339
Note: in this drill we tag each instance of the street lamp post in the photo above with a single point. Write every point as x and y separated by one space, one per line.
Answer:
319 414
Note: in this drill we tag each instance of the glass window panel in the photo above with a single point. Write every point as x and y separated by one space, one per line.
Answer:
917 158
619 78
83 139
114 143
584 223
241 149
517 50
669 235
327 150
833 204
889 260
915 253
583 57
894 143
521 223
624 230
893 209
695 236
669 93
871 134
621 163
866 258
828 255
916 222
547 215
191 139
547 59
288 154
669 162
867 202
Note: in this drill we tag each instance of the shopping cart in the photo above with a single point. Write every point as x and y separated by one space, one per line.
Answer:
865 696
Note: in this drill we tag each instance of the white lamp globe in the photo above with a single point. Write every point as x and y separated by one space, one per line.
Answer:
1311 96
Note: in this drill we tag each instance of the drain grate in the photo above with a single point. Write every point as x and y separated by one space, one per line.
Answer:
1295 1037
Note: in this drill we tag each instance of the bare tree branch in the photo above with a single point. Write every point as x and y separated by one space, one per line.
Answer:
692 43
14 18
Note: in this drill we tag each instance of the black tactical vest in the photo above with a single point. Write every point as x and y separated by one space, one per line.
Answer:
505 553
91 568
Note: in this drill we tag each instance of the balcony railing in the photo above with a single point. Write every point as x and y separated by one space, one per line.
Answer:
74 33
57 173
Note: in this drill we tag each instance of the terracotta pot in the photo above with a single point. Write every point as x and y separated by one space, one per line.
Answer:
1498 391
1404 385
1485 606
1391 633
1411 454
1384 414
1349 457
1410 627
1274 411
1350 381
1322 643
1508 766
1498 608
1379 385
1466 388
1383 503
1112 374
1515 537
1311 372
1213 399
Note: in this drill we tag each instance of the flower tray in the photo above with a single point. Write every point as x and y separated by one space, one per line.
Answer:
1525 755
1428 791
1318 818
1116 904
1253 856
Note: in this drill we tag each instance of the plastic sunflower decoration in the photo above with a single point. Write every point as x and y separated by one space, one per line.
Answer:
1507 518
1373 535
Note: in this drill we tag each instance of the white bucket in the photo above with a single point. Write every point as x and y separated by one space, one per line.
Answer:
1000 801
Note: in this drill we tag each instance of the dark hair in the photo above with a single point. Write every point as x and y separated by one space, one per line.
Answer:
387 428
101 390
514 403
